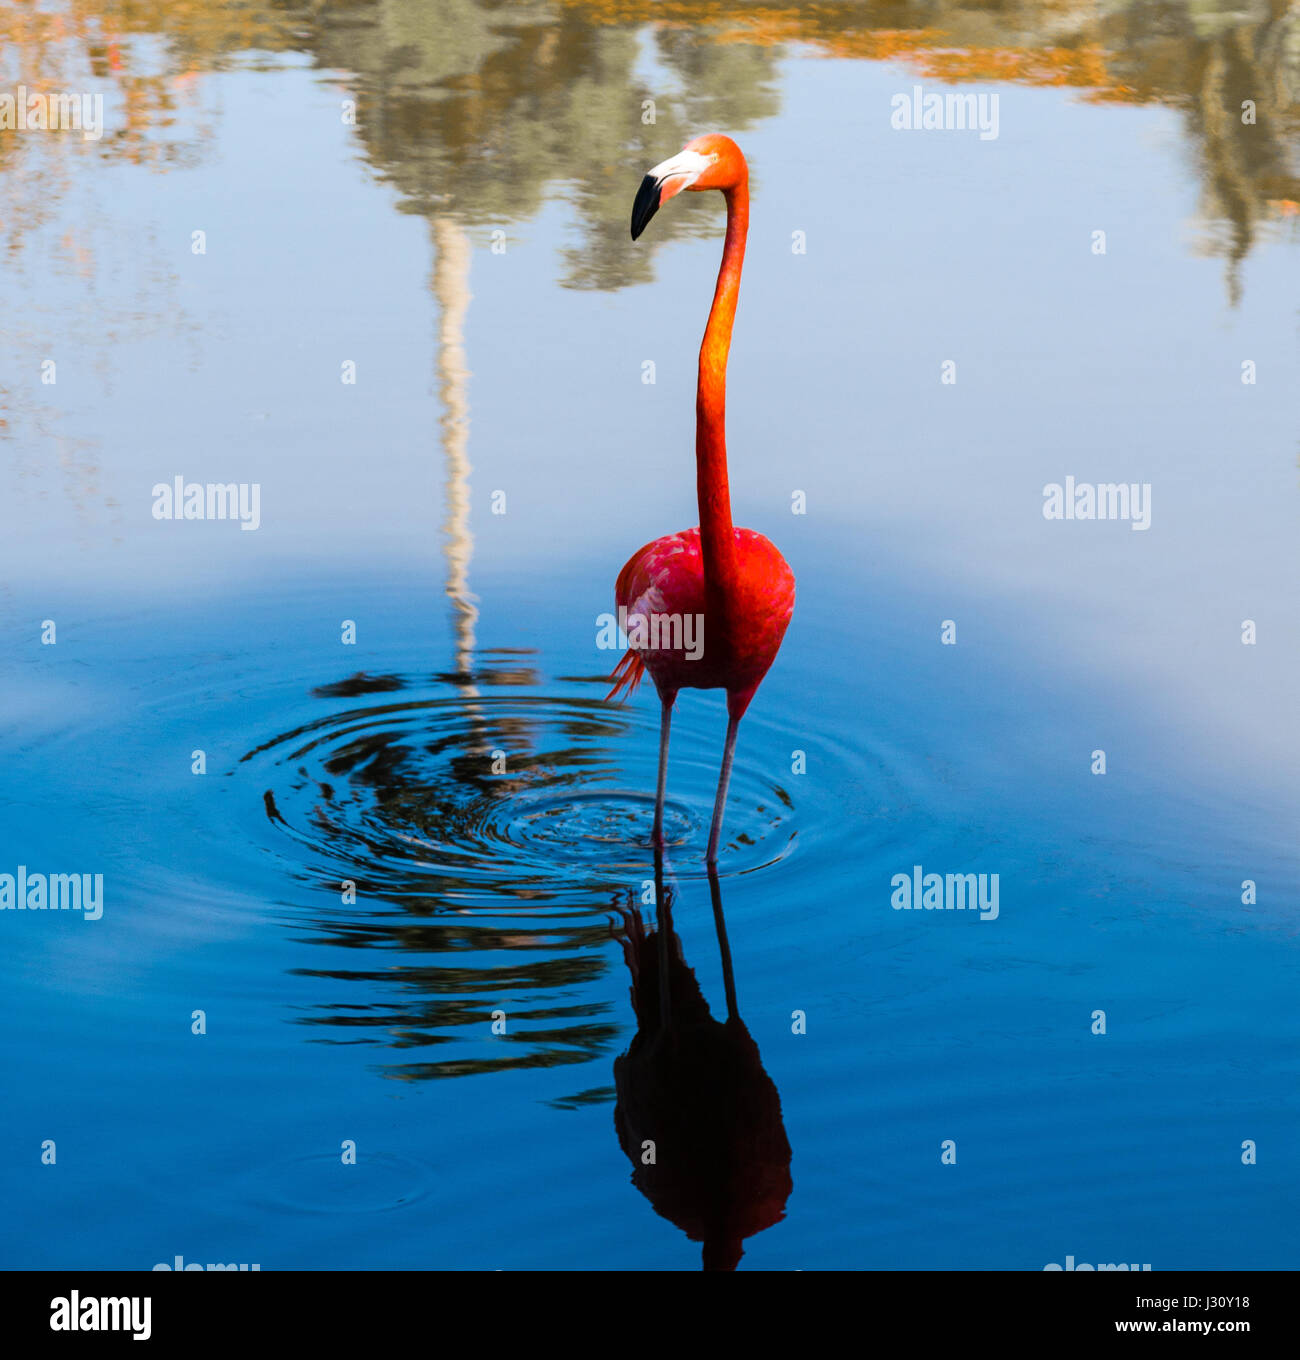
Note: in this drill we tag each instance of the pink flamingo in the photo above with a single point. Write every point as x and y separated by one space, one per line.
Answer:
734 581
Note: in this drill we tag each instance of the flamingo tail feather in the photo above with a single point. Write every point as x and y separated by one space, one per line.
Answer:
627 675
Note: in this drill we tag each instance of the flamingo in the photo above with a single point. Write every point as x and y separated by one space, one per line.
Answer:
733 581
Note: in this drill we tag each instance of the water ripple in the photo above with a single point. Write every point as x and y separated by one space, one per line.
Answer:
458 841
461 797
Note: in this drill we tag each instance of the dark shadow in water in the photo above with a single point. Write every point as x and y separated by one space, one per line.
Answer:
455 840
463 897
697 1116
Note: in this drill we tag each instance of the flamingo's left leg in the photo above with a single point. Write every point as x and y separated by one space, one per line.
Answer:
724 778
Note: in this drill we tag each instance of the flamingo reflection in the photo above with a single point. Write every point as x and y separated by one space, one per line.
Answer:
696 1115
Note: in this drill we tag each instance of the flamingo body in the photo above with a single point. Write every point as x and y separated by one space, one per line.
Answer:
666 577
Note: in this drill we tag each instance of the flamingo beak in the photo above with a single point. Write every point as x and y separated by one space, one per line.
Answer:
666 180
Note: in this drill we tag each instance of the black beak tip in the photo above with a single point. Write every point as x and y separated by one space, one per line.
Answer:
645 206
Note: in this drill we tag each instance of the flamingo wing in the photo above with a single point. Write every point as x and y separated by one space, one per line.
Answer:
665 576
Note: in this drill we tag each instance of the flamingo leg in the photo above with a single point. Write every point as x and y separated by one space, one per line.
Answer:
720 802
665 722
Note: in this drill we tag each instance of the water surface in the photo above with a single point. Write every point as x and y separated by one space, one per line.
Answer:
397 836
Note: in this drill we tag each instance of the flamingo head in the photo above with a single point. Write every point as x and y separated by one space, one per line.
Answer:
709 162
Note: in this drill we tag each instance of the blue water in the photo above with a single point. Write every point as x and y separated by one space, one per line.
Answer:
458 766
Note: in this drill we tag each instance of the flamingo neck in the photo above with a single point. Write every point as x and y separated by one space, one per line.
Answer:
717 539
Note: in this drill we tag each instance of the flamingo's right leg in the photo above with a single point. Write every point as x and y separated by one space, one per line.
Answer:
665 722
